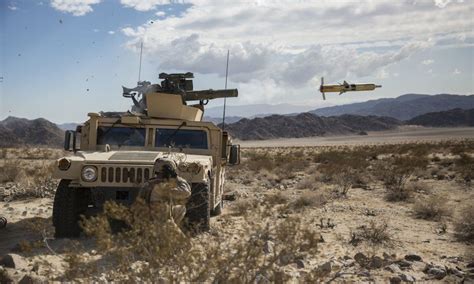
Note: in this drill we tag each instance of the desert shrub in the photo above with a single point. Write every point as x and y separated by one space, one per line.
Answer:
332 161
276 198
310 181
396 187
374 233
395 174
256 161
417 186
283 164
464 225
10 171
244 206
152 249
344 181
26 172
465 167
432 208
309 199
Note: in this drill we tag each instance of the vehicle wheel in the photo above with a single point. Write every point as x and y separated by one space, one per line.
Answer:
69 204
198 213
218 209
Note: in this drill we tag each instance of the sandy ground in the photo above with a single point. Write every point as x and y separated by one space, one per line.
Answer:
409 235
405 134
30 220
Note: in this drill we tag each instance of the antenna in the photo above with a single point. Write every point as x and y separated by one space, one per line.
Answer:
140 66
225 99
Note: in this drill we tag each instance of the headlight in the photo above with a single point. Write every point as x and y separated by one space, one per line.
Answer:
89 173
64 164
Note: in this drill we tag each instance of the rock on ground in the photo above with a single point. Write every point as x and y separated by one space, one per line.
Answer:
13 261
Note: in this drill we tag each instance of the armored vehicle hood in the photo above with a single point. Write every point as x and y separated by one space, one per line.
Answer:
142 157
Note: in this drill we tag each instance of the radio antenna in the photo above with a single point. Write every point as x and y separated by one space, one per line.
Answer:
140 66
225 99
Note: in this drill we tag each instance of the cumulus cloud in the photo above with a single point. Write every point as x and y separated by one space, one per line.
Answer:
444 3
75 7
146 5
427 62
335 39
111 32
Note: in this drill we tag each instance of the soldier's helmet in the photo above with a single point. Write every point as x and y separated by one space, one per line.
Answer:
165 167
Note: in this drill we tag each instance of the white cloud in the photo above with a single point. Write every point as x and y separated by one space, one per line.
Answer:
160 13
427 62
111 32
444 3
96 30
456 71
75 7
146 5
290 45
12 7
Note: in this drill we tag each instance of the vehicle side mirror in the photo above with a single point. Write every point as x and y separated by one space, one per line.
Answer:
70 140
234 157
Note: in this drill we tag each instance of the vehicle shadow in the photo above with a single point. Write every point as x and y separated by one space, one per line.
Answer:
35 236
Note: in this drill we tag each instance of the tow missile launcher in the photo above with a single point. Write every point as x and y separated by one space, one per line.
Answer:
114 153
345 87
169 98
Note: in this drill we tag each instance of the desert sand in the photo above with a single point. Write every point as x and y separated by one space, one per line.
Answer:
367 228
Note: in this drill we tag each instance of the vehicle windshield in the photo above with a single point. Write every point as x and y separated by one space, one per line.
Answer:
182 138
121 136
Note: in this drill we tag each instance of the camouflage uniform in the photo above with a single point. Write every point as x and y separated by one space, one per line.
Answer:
166 196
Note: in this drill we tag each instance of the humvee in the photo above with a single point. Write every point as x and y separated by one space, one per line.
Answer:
114 153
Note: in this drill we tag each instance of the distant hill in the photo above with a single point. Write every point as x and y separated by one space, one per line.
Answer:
450 118
218 120
307 125
403 108
23 132
256 110
68 126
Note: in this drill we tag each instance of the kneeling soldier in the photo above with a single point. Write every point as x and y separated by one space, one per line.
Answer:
166 193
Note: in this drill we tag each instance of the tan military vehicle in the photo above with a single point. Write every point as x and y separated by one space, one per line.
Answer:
114 153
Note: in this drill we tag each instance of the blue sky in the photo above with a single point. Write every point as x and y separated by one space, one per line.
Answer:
61 59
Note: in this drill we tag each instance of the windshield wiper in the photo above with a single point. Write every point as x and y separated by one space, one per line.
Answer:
172 135
112 126
115 123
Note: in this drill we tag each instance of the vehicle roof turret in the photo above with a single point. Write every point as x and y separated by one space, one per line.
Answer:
169 98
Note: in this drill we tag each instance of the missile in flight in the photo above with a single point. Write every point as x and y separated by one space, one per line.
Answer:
345 87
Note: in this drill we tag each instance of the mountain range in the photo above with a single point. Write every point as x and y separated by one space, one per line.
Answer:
308 125
16 131
454 117
255 110
382 114
403 108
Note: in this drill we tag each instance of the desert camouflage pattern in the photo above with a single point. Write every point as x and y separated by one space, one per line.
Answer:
166 197
124 168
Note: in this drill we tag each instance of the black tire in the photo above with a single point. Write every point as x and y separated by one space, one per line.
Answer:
198 213
69 204
218 209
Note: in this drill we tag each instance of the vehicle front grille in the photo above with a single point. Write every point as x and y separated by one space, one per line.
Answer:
119 174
